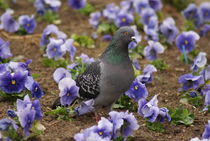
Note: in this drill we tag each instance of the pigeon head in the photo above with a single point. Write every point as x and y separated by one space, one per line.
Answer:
117 51
125 35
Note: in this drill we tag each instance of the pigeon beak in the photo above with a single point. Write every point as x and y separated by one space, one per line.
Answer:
133 39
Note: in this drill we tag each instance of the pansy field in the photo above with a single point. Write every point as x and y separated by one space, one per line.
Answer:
114 70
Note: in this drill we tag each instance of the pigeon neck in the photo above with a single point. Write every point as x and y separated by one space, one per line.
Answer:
116 53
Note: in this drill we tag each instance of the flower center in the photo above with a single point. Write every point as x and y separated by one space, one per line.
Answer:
68 94
186 42
13 82
27 25
123 19
100 133
54 49
206 14
35 89
136 87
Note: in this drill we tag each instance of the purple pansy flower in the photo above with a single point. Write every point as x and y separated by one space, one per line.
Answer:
72 66
206 133
8 23
147 77
151 34
155 4
149 109
124 122
111 11
86 59
137 90
4 49
6 123
146 15
104 128
44 5
205 11
204 30
193 94
34 87
123 19
206 73
26 117
35 105
136 64
207 99
192 13
85 107
153 50
61 73
18 66
186 41
77 4
28 23
130 124
68 91
27 112
152 25
140 5
55 50
13 82
53 4
132 45
164 115
199 62
48 32
107 37
205 89
127 5
189 81
169 29
94 19
89 135
11 113
68 46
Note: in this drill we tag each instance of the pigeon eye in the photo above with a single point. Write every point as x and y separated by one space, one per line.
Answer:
125 33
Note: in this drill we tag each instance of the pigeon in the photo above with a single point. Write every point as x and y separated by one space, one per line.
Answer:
106 79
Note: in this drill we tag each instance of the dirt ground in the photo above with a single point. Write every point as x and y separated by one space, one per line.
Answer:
165 83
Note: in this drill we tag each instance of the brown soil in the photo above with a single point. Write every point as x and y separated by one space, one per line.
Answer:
165 83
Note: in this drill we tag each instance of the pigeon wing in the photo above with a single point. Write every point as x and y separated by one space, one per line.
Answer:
88 82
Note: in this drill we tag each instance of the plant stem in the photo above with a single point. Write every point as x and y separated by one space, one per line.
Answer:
185 54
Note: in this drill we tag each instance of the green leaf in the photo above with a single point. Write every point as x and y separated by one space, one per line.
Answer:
21 31
84 41
118 106
49 17
189 25
87 10
196 101
155 126
107 28
14 96
137 22
179 4
160 64
55 63
35 75
181 116
124 102
12 134
119 138
4 4
3 61
63 113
